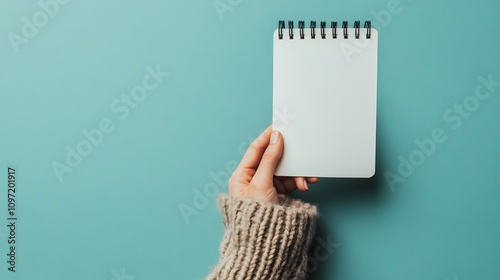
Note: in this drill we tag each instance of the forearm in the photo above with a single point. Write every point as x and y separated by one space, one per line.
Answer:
264 240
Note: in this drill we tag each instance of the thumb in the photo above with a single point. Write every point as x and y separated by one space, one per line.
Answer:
264 175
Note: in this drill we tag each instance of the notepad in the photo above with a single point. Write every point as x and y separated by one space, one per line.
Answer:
325 98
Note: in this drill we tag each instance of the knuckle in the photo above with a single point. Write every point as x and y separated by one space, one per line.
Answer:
268 156
255 147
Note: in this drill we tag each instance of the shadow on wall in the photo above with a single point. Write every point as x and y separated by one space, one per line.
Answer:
334 193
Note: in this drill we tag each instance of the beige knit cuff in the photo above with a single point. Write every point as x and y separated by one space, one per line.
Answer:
264 240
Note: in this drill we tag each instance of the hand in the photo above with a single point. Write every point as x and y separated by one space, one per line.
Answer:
254 177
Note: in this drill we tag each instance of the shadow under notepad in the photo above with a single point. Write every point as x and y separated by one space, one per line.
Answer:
350 190
332 194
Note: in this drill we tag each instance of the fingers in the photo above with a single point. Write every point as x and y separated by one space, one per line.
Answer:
312 180
293 183
301 183
262 156
279 186
265 172
289 184
253 155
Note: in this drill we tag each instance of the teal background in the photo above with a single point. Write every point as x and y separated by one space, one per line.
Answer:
118 212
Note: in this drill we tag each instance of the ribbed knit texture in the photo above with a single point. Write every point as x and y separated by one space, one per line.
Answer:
264 240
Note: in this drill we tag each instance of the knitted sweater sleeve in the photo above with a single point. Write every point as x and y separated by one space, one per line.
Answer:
264 240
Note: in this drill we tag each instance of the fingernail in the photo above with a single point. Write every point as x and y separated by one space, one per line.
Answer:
305 184
274 137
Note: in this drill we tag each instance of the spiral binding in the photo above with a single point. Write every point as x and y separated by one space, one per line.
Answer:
333 26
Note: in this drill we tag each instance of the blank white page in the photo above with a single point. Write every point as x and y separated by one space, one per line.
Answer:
324 103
